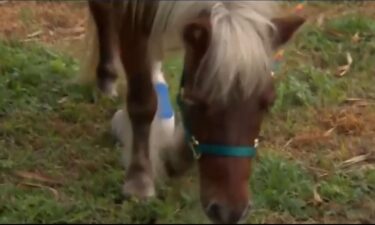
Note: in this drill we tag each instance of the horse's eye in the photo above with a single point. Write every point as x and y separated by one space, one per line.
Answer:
189 101
194 103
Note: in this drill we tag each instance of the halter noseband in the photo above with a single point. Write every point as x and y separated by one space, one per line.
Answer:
199 149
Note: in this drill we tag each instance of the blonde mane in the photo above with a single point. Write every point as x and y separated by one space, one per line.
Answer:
239 55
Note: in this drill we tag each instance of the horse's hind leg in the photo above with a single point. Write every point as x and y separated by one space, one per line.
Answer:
105 71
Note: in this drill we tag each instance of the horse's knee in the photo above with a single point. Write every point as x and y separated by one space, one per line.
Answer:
142 103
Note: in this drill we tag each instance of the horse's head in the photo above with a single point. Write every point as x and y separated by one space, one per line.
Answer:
222 122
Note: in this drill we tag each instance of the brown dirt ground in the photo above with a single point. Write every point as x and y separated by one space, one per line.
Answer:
57 24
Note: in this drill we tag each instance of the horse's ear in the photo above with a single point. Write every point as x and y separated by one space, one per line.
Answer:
286 27
196 35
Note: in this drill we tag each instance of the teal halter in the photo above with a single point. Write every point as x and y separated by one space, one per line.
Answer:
199 149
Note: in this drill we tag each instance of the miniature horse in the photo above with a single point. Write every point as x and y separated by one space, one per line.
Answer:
226 88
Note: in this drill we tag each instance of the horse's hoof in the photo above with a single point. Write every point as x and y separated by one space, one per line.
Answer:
140 187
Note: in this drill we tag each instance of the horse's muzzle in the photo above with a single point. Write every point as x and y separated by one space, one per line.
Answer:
221 214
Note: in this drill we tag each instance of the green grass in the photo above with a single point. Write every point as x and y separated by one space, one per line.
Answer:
311 82
50 126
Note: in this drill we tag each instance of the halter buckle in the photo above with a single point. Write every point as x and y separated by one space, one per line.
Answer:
193 144
256 143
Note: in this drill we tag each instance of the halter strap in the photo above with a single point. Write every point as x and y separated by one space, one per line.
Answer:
199 149
221 150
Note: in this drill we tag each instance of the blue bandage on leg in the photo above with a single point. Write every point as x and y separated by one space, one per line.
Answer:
165 109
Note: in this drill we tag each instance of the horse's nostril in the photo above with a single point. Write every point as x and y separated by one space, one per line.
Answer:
214 211
221 214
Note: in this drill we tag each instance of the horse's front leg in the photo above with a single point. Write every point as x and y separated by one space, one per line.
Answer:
141 104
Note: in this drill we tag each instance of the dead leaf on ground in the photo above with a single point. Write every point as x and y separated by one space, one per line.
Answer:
52 190
35 34
62 100
71 31
353 99
30 40
37 177
309 137
320 20
288 143
357 102
317 199
342 70
329 132
356 160
356 38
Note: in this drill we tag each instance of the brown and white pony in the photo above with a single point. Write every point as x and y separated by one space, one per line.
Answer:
226 90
